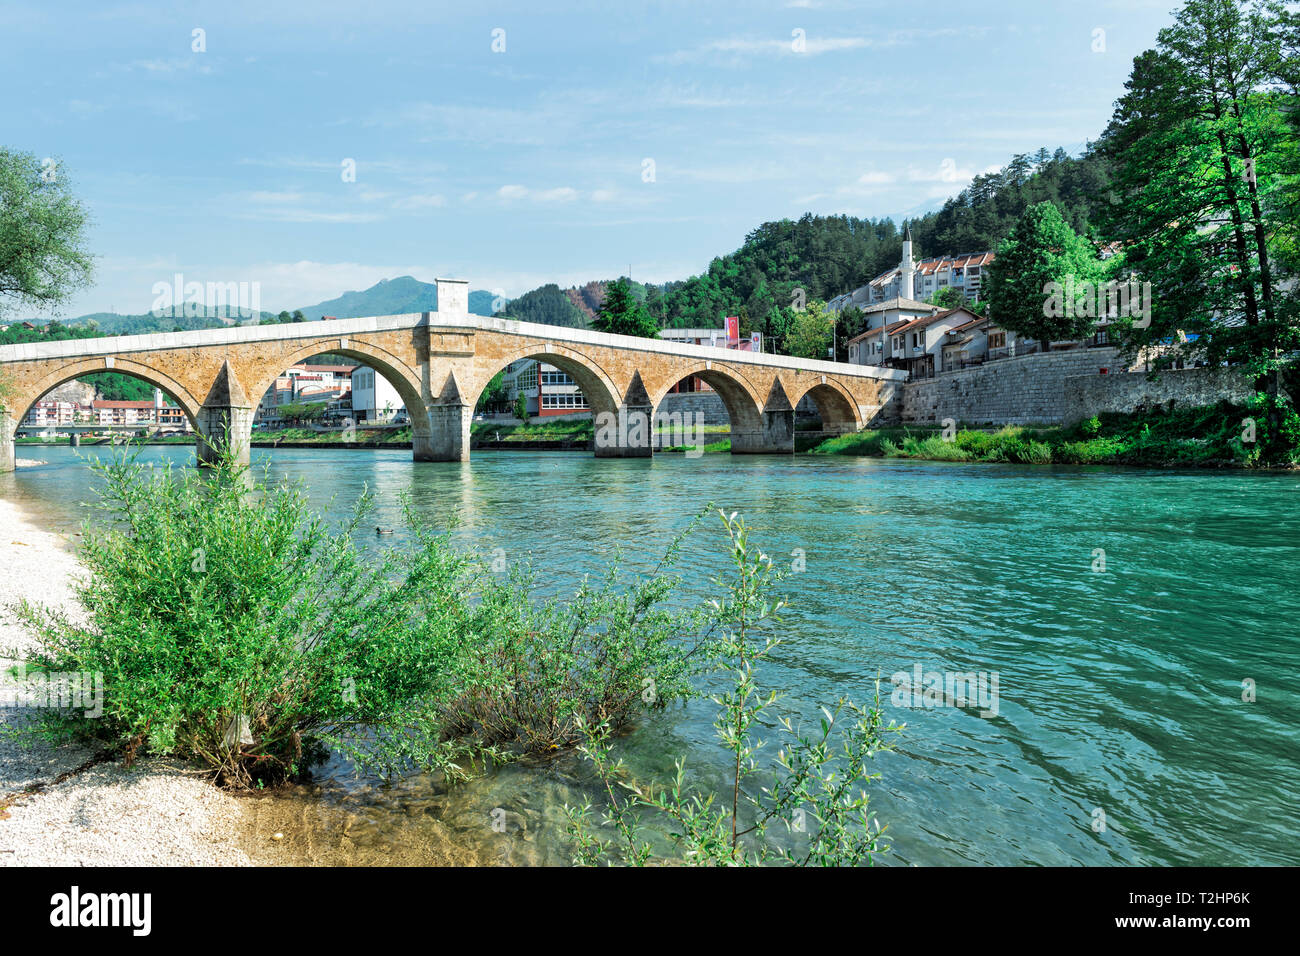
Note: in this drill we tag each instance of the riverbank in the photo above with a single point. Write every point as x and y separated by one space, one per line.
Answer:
58 807
1205 437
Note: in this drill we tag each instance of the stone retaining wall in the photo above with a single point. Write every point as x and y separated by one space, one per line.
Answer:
1088 395
1024 390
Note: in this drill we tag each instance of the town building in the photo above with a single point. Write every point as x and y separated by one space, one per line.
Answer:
547 390
308 385
913 343
53 416
919 280
373 397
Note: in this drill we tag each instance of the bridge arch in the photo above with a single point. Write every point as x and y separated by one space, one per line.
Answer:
597 387
835 404
739 396
24 401
396 371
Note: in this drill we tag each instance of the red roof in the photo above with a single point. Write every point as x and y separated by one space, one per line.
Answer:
103 403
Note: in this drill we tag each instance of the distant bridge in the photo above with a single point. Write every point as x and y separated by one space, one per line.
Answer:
440 362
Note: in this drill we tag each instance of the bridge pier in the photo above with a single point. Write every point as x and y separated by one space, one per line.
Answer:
8 425
626 433
449 434
225 421
224 428
447 437
773 434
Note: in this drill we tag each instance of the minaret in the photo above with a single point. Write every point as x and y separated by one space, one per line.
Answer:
906 287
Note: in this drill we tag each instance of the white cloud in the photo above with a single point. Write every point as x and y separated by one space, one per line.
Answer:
558 194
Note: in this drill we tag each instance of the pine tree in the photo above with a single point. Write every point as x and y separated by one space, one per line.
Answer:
622 313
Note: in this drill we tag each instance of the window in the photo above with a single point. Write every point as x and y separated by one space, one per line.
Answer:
527 379
564 400
555 377
997 340
918 340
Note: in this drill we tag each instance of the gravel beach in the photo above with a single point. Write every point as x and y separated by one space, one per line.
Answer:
153 814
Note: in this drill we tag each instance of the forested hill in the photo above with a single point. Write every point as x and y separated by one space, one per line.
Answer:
548 305
982 214
827 255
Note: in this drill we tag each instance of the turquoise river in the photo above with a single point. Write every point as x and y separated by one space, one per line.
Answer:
1120 692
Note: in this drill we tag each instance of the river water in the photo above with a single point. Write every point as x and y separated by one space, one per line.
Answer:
1121 734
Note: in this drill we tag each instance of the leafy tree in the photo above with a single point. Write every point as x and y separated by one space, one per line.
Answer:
1203 154
494 393
521 407
622 314
1041 251
852 323
43 259
950 297
654 304
811 332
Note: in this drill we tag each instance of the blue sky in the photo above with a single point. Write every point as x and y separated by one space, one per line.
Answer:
525 166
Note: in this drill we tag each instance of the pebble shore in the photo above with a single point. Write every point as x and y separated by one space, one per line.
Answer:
106 815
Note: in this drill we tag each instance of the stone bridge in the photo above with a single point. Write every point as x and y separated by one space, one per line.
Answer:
440 362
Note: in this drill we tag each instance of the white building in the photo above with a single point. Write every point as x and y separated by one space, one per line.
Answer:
373 397
305 385
915 344
547 389
919 280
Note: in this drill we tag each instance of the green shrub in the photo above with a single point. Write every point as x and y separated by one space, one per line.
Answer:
234 628
815 786
935 448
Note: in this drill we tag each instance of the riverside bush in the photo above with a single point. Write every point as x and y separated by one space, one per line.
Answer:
814 790
1210 435
233 627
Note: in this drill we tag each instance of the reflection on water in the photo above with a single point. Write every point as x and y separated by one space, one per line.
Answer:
1120 691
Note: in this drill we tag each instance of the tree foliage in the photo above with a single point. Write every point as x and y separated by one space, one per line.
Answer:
622 313
811 332
43 259
1203 154
1041 251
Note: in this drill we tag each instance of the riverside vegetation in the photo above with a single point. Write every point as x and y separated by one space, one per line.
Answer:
1223 435
236 630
